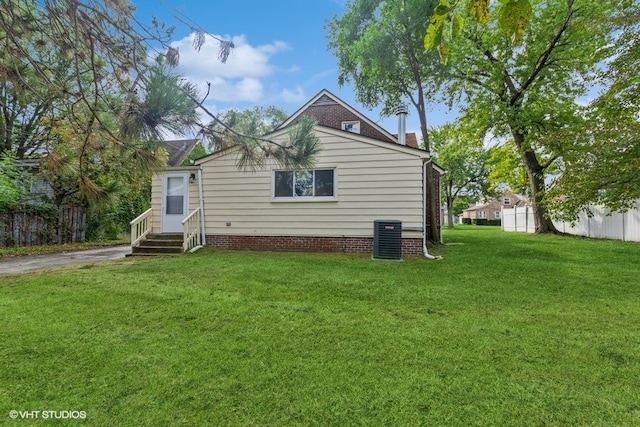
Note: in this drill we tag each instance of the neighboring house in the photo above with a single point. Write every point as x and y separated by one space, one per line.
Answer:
362 174
38 185
491 209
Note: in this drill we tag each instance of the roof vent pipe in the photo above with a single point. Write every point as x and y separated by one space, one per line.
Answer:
401 112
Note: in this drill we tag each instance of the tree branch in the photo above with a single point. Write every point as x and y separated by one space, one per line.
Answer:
543 60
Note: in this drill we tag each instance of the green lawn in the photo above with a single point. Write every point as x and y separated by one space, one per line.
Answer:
508 330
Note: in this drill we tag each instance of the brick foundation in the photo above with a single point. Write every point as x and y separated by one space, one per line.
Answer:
410 247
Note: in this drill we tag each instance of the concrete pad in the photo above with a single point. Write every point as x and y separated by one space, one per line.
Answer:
29 263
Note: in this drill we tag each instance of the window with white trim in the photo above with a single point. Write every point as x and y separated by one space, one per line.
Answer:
496 214
317 183
482 214
353 126
506 201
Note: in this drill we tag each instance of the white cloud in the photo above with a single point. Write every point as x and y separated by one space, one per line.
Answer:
239 79
293 96
247 89
275 47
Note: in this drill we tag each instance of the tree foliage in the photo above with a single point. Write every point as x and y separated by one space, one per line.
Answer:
11 182
247 132
506 171
601 160
527 92
446 21
255 122
86 64
465 162
164 106
379 47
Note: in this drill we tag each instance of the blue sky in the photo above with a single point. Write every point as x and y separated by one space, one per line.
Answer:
280 58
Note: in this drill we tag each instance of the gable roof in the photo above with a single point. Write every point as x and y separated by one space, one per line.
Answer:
178 150
494 204
374 141
339 133
330 111
497 203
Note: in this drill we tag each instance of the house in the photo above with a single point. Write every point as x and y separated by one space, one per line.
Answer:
362 174
491 209
39 188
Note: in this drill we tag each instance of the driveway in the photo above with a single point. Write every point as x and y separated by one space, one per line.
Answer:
28 263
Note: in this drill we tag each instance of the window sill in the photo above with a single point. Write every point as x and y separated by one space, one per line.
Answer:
304 199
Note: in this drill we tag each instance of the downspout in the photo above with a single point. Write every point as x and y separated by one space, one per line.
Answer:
425 252
203 238
440 216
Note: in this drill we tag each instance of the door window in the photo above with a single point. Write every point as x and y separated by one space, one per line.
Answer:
175 195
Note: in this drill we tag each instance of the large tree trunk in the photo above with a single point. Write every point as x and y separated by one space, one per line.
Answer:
450 199
535 173
449 212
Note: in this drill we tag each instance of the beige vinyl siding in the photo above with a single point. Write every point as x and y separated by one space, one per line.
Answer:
374 181
156 200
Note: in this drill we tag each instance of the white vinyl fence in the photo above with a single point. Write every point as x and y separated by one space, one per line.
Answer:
519 219
602 224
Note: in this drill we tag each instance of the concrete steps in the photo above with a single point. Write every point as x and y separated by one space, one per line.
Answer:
159 244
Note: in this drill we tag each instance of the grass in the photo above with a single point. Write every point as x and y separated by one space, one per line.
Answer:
507 330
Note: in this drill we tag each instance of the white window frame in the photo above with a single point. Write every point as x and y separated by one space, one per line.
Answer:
312 198
496 214
482 215
506 201
354 123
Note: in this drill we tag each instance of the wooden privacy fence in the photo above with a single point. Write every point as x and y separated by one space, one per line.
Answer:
23 229
602 223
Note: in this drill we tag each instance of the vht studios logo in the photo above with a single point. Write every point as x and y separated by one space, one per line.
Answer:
51 415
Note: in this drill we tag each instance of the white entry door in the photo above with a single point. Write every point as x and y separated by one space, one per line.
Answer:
175 201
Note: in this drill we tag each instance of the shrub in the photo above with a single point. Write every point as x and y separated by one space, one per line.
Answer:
485 221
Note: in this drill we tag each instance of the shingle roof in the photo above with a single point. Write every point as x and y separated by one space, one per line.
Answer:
411 139
179 150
